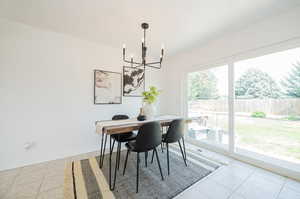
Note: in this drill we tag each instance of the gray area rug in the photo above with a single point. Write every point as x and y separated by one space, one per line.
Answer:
150 183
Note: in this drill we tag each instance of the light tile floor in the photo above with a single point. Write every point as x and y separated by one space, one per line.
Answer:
239 180
235 181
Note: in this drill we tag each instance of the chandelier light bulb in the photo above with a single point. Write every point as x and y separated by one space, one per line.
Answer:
124 45
162 50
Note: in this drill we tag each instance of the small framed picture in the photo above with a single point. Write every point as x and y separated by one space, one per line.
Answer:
133 81
107 87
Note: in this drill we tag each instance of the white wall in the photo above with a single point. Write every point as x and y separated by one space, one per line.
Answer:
46 94
276 33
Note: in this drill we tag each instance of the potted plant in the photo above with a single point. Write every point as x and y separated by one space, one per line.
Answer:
149 99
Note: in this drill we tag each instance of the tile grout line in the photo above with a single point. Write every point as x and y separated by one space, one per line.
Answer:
38 192
281 188
235 190
13 182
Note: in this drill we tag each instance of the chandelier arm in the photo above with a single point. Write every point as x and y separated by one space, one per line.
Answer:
151 63
156 67
134 65
138 66
131 62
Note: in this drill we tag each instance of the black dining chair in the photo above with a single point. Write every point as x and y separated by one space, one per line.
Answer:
174 134
120 138
147 139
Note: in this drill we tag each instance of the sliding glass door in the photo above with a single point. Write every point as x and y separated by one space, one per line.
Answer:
208 104
267 105
264 109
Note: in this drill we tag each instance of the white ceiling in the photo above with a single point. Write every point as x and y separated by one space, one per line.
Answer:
178 24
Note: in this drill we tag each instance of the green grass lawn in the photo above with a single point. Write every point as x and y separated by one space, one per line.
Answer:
277 138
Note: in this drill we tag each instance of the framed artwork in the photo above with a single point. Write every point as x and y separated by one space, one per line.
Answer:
107 87
133 81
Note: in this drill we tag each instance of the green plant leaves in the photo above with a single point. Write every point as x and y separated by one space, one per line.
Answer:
151 95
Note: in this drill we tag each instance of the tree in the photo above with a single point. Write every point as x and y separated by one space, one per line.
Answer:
292 81
202 85
255 83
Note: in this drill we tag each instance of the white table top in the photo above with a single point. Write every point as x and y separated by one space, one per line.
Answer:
132 121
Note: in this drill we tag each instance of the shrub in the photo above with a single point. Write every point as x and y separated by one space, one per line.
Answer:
293 118
258 114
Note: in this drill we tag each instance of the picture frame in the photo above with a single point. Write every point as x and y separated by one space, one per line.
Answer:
133 81
107 87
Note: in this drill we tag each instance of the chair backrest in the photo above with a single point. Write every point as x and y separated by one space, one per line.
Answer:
120 117
148 137
175 131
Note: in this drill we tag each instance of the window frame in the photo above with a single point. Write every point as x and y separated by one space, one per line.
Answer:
279 166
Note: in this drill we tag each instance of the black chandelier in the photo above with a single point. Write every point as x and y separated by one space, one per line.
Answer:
143 62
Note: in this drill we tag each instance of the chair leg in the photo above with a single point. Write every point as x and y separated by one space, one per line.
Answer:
116 167
162 177
119 155
137 171
168 161
125 164
146 157
182 153
113 145
184 148
152 157
161 144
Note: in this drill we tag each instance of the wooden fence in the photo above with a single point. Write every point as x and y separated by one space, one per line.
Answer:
269 106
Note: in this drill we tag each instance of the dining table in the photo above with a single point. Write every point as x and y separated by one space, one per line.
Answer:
110 127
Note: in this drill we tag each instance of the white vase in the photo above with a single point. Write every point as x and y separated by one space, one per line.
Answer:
149 111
